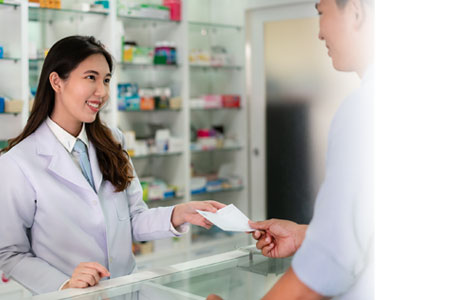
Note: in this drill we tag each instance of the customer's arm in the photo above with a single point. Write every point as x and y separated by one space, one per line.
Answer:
290 287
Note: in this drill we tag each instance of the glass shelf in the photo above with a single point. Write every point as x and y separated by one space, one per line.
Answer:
52 14
9 113
235 148
147 19
14 59
216 109
225 67
215 25
15 4
147 65
152 110
231 189
159 201
156 155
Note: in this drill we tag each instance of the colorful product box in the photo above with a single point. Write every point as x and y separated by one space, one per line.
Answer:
231 101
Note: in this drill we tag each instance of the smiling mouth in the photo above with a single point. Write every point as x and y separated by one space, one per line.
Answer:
94 105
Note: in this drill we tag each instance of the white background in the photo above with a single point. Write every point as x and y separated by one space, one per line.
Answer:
413 150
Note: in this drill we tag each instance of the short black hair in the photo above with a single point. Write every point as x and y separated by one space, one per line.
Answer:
341 3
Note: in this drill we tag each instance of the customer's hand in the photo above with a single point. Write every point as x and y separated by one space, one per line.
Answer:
278 238
186 213
86 274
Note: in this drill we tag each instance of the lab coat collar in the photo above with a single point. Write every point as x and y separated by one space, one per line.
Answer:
61 163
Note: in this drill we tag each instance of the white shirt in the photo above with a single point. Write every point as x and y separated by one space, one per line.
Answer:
336 257
68 140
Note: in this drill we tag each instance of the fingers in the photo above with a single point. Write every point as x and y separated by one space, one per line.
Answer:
263 242
98 267
215 204
258 234
266 251
263 225
87 274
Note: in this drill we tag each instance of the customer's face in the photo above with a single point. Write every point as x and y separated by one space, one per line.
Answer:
336 29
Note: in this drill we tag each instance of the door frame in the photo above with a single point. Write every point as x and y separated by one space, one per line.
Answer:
256 92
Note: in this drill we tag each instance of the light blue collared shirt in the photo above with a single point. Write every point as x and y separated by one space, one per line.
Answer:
336 257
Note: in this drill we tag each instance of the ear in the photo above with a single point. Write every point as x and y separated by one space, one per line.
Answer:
55 81
357 12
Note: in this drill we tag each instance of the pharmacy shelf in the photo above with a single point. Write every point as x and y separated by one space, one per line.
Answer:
14 59
226 190
214 25
147 19
165 154
42 14
224 149
10 3
207 67
10 113
157 110
216 109
157 202
148 65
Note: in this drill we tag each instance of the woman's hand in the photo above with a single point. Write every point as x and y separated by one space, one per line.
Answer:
186 213
86 274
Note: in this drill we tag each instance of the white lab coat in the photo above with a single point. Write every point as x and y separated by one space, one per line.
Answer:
51 219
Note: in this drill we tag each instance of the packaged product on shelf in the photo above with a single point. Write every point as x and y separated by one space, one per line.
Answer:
147 101
145 187
165 53
51 4
199 57
212 101
128 98
196 103
2 104
130 139
230 101
175 144
13 106
219 56
175 103
162 137
174 9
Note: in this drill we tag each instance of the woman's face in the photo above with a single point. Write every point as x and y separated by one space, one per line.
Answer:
79 98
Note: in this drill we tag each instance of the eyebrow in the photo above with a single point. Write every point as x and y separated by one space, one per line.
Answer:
95 72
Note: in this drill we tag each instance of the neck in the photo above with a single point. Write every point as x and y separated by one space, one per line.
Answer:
73 128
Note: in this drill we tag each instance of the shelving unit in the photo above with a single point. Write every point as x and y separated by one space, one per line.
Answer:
32 29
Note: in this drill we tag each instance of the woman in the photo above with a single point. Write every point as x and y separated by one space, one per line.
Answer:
70 201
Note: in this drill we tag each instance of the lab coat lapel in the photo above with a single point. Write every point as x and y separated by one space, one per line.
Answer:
61 163
97 175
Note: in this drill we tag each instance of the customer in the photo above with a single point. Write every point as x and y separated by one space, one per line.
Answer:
71 203
334 254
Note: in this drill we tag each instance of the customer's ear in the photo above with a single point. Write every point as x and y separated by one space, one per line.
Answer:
356 10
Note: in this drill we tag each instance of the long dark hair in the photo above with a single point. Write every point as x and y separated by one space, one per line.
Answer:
64 56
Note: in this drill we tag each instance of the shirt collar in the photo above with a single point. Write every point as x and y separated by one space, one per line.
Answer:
64 137
369 74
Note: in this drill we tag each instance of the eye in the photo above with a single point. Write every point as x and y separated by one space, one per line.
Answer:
91 77
107 80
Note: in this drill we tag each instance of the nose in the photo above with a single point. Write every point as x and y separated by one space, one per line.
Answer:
321 36
101 90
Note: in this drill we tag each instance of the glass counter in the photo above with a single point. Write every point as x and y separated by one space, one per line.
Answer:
239 274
